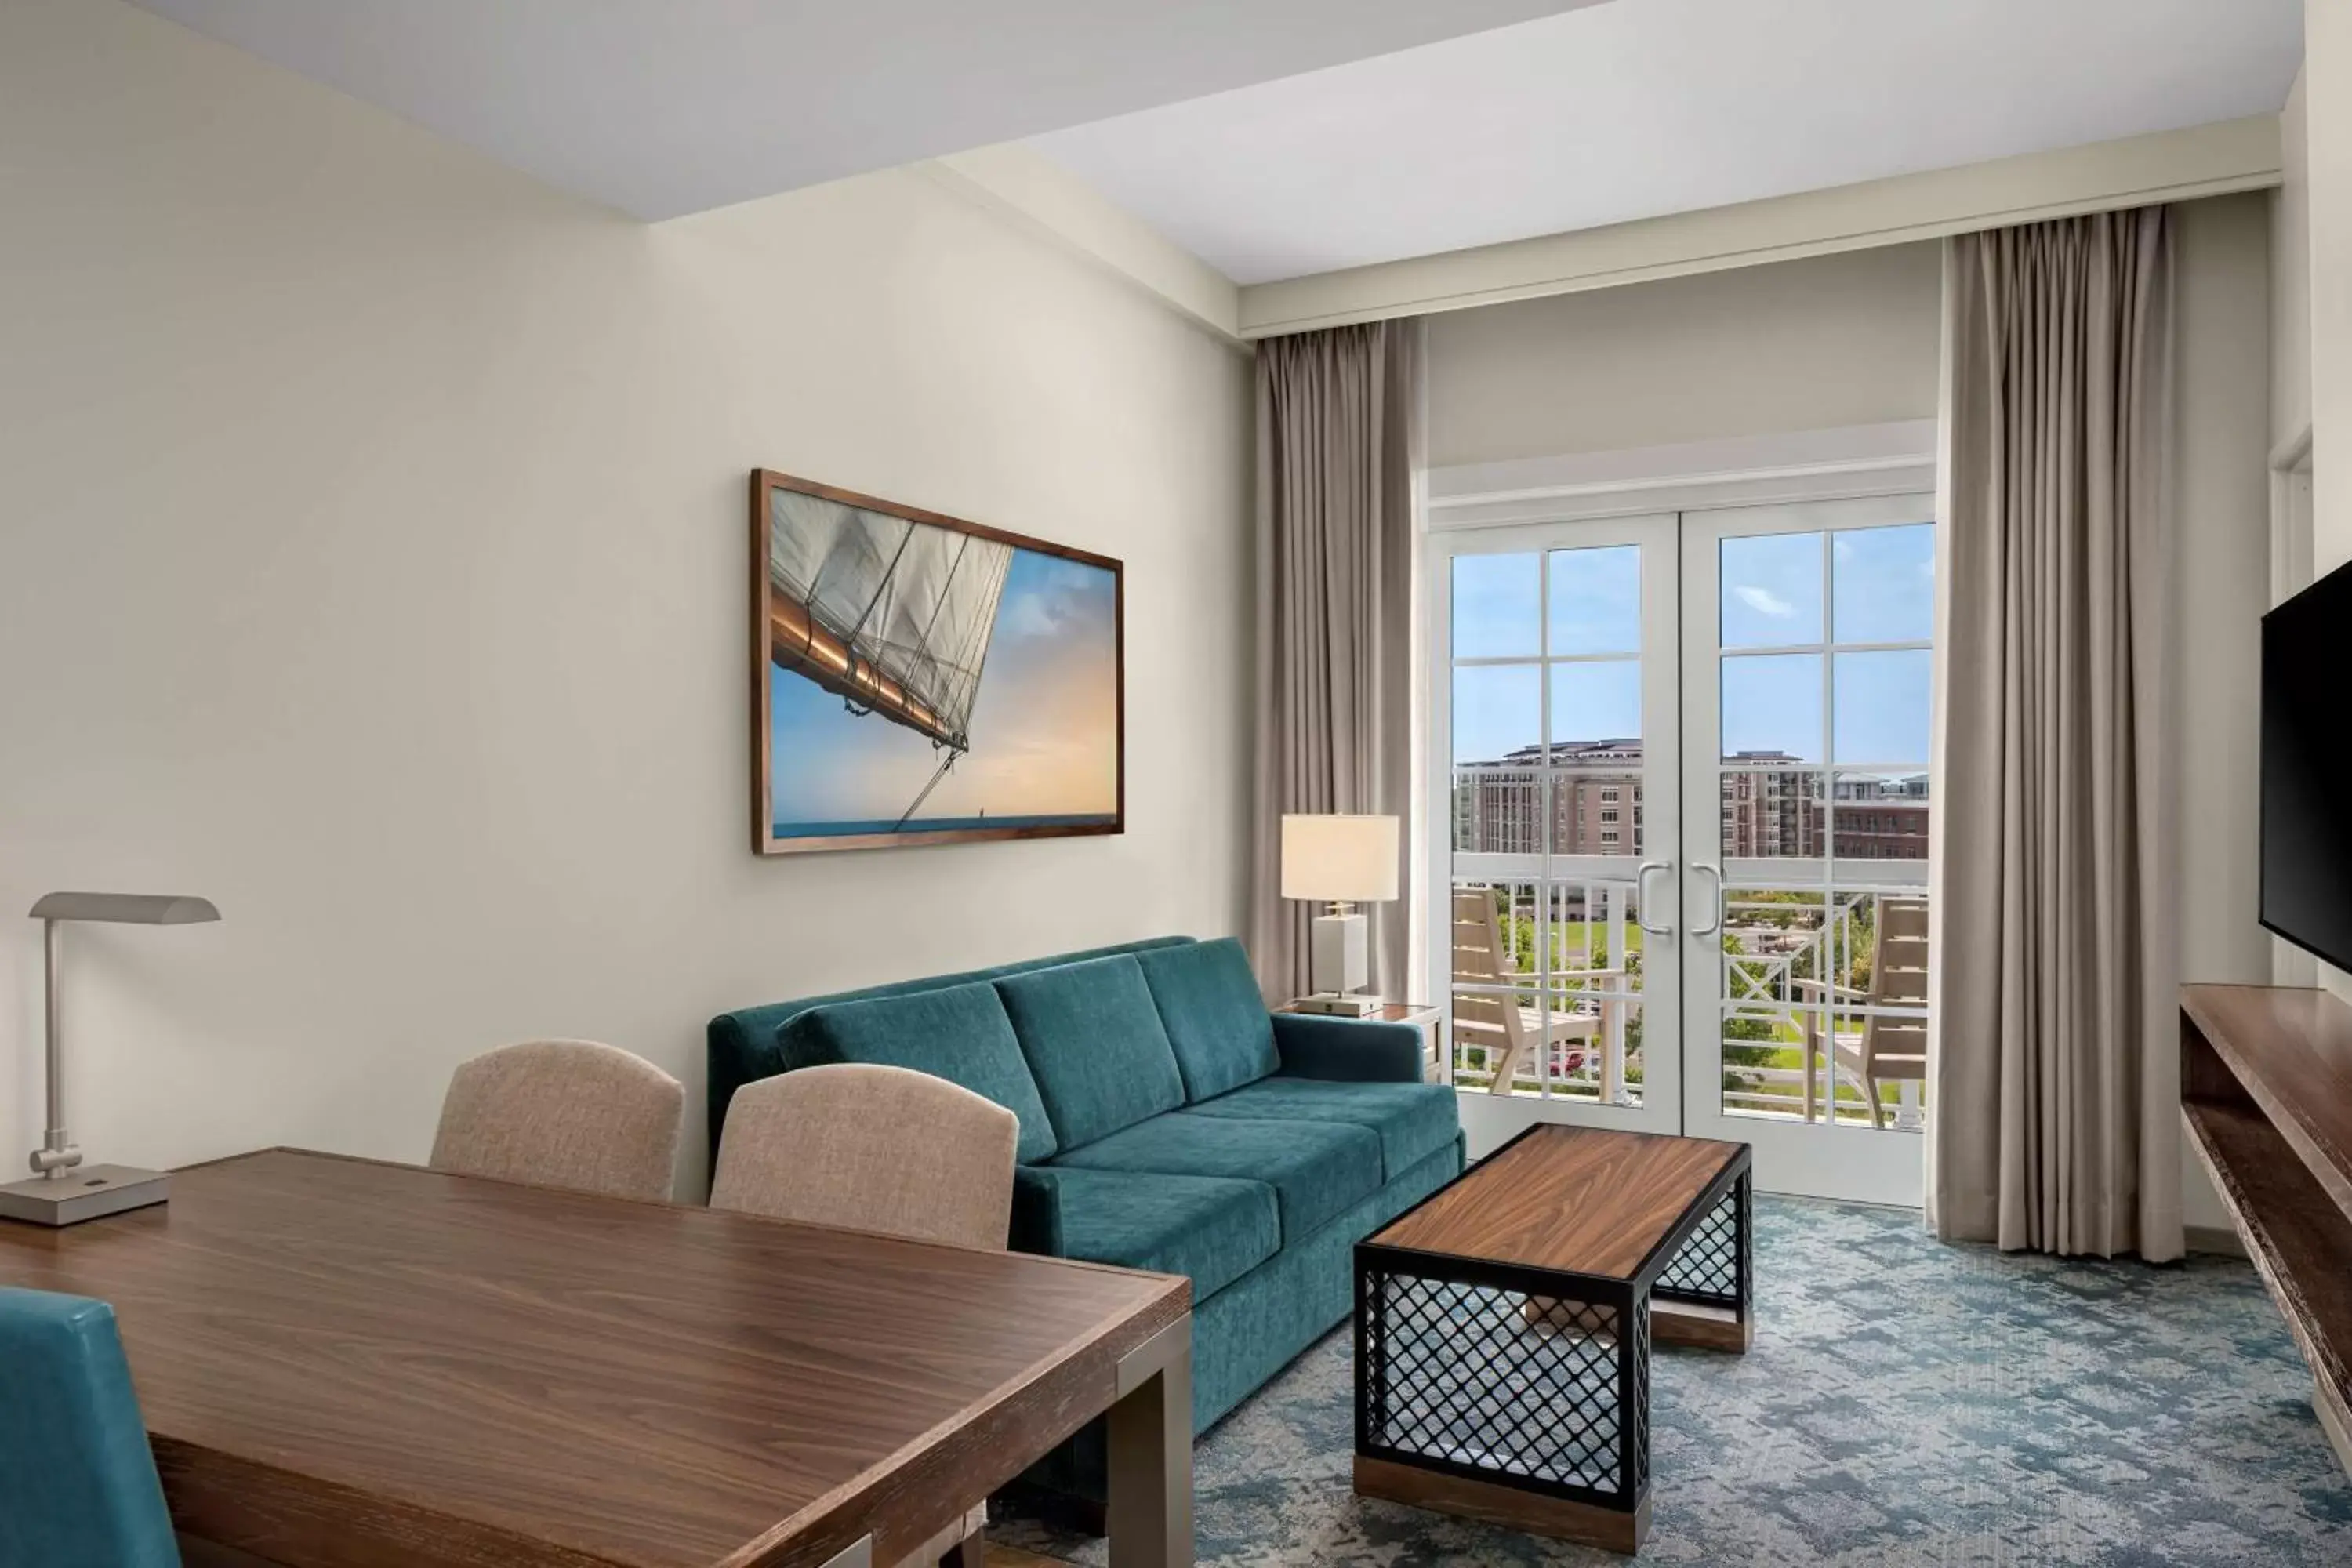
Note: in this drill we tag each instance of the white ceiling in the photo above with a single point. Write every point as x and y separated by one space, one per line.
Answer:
1640 108
664 107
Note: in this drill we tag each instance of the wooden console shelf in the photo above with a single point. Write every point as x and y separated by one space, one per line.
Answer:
2266 1097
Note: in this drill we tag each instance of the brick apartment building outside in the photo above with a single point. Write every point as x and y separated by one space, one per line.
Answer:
1769 811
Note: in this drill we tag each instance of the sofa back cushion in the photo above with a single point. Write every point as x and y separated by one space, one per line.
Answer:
1216 1019
748 1044
1094 1045
959 1032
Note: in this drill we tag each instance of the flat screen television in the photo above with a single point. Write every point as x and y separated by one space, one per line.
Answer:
2307 768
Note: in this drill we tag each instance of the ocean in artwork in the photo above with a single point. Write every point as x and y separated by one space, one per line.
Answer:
942 824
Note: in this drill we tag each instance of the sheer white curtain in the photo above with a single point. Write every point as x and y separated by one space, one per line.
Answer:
2055 1055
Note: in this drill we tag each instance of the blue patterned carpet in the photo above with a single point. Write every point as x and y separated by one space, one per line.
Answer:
1906 1403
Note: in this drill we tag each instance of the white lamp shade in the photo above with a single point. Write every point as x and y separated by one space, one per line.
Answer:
1342 859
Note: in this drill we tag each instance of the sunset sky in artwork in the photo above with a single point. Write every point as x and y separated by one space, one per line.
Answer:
1044 731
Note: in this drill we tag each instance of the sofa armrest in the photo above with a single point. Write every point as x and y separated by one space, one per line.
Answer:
1036 1211
1348 1050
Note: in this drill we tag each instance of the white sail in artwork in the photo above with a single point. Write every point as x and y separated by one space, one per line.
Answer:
895 616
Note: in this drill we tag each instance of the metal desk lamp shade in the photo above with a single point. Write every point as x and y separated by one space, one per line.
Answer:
64 1191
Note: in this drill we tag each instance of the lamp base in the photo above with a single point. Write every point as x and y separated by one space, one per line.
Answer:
1337 954
87 1192
1333 1006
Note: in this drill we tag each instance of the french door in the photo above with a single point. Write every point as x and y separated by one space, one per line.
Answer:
1683 851
1553 865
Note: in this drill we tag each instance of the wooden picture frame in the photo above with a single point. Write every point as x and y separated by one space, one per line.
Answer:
902 687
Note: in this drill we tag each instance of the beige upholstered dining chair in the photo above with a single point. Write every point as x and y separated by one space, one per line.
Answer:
880 1149
870 1148
563 1113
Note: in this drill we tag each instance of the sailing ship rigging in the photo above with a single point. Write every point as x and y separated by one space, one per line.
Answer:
893 616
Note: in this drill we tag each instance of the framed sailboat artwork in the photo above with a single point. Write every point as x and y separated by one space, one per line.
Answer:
921 680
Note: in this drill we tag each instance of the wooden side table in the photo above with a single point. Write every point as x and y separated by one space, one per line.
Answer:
1426 1016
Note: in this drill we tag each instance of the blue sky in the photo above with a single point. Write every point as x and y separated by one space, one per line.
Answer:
1044 731
1881 589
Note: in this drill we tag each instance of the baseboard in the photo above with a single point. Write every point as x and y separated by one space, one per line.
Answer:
2221 1240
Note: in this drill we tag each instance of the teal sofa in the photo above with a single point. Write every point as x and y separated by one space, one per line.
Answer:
1168 1122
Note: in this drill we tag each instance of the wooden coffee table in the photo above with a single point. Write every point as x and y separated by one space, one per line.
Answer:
1504 1325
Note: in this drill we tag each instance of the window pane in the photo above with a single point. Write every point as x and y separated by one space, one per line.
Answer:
1817 999
1771 590
1565 1025
1596 804
1882 707
1772 942
1597 704
1884 582
1498 606
1772 814
1596 936
1595 1035
1493 980
1498 777
1882 816
1498 709
1873 1021
1596 600
1772 707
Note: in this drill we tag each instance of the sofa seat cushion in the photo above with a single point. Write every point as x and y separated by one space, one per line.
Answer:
1216 1019
1316 1169
959 1033
1212 1230
1413 1121
1094 1045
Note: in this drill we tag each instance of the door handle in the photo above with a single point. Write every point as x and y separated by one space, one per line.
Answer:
1641 891
1716 872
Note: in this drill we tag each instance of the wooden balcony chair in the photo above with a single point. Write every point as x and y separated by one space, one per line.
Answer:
1884 1050
1492 1020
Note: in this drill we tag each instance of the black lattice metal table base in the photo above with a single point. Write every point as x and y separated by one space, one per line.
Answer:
1521 1395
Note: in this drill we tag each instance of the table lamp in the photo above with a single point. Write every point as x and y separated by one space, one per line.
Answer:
65 1190
1342 861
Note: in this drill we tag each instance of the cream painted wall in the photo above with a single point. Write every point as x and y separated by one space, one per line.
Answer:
2327 168
2291 275
1854 339
2222 581
1797 345
2291 545
371 562
2326 183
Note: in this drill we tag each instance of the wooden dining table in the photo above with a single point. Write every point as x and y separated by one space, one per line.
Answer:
346 1363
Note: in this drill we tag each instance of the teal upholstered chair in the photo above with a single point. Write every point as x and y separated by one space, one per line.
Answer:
76 1478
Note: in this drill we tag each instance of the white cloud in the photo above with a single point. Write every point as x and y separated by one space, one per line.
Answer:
1763 601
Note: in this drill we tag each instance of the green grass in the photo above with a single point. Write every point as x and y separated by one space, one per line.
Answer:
1584 944
1575 935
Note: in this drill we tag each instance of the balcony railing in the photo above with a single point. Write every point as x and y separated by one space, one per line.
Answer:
1796 964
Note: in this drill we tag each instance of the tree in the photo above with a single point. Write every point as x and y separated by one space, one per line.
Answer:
1744 1029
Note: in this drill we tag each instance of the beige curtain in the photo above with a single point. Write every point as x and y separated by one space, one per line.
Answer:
1339 454
2055 1113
